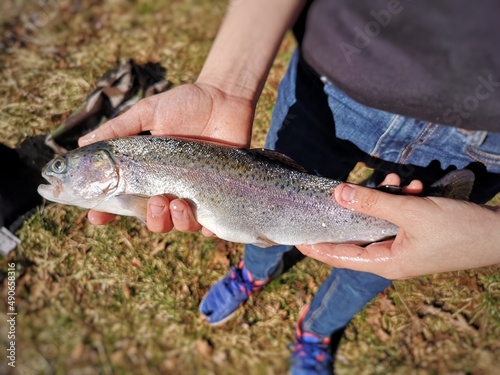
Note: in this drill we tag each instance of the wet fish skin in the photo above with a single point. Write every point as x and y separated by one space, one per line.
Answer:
242 195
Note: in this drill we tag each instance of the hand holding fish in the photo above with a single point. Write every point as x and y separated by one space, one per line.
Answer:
435 235
198 111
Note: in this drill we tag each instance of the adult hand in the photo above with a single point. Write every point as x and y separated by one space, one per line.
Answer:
199 111
435 235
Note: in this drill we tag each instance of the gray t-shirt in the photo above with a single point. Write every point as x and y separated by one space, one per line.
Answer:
437 61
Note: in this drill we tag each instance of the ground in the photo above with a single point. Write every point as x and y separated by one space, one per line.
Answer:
119 300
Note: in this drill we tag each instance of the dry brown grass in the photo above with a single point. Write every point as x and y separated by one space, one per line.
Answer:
120 300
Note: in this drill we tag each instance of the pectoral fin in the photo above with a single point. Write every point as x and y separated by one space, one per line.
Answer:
136 204
126 205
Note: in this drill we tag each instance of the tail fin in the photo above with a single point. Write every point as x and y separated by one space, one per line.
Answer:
456 185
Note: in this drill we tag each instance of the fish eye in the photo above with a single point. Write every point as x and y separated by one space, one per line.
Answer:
59 165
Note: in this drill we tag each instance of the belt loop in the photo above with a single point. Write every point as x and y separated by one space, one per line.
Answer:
479 137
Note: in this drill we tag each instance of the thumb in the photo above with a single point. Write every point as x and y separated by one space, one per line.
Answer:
390 207
136 119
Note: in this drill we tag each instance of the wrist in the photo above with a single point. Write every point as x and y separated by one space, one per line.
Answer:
242 84
247 42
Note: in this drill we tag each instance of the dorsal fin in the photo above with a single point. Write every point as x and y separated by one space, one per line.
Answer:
277 157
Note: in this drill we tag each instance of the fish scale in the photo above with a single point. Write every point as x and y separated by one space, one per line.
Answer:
242 195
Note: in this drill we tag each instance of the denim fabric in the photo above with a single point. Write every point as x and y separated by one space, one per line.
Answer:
328 134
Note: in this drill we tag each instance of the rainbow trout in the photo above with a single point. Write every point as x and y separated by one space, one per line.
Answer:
250 196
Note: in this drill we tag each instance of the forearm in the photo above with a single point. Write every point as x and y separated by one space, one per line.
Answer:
246 44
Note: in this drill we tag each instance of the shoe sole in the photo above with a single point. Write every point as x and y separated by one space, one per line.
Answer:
222 321
276 273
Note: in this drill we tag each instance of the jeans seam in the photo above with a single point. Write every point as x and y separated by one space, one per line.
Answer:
471 149
378 145
424 136
323 305
485 158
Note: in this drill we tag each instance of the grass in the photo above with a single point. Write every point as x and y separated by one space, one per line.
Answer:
120 300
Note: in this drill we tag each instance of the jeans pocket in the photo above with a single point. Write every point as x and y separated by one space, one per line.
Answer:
484 147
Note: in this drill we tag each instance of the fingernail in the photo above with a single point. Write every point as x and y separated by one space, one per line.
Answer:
176 211
347 194
156 209
88 138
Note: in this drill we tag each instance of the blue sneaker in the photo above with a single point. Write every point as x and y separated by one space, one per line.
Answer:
223 299
311 354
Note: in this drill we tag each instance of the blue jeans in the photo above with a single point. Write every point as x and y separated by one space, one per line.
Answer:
325 131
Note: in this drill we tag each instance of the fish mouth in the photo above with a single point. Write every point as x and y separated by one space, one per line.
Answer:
52 189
